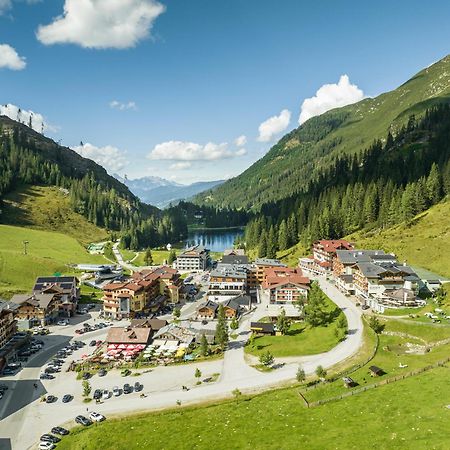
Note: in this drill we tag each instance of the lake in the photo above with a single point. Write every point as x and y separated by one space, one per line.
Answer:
214 240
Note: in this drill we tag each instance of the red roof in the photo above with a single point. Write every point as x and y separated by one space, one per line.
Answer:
331 246
276 276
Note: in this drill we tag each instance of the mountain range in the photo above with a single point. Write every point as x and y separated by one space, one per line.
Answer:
161 192
303 154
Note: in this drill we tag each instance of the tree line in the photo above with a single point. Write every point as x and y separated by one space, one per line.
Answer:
388 183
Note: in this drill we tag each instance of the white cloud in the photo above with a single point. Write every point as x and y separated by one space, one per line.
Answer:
38 122
122 106
240 141
182 165
5 6
190 151
274 125
111 158
241 152
9 58
330 96
102 23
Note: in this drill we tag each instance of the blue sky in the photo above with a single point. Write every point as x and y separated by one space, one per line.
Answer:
190 76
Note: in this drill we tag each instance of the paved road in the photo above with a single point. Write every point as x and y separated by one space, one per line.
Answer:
163 385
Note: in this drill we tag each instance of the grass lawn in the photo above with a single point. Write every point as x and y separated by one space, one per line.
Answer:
409 414
301 340
47 252
127 255
292 255
159 256
48 209
429 333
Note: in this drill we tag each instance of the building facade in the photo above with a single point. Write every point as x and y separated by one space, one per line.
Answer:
193 258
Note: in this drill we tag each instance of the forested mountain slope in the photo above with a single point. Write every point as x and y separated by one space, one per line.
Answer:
303 155
28 158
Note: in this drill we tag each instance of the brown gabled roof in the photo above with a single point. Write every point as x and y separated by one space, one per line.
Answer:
122 335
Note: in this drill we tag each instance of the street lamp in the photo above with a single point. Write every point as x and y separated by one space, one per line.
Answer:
25 243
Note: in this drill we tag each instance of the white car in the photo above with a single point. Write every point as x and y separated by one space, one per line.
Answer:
105 394
116 391
62 323
96 417
46 445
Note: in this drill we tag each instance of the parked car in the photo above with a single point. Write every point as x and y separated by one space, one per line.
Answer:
105 394
96 417
67 398
44 445
97 394
83 421
46 376
102 372
138 386
92 343
86 376
365 307
116 391
50 438
60 430
51 399
127 389
79 331
98 343
62 323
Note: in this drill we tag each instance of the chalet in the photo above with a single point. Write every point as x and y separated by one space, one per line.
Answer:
174 332
285 285
66 288
36 309
8 322
154 324
128 335
235 259
207 311
193 258
262 328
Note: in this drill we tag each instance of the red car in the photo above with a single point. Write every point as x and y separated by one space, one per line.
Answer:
99 343
79 331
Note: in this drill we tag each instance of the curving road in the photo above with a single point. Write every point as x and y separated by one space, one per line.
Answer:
163 385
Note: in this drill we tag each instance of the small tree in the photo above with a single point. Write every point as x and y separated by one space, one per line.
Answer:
321 372
301 376
172 257
198 374
204 349
221 328
315 313
375 324
283 323
176 313
148 257
86 388
266 359
234 325
237 393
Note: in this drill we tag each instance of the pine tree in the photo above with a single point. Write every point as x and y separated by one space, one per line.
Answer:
433 185
283 323
221 328
315 313
204 349
262 248
148 258
283 239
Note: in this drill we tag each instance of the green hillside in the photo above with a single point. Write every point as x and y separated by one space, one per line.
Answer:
302 155
422 243
47 252
48 208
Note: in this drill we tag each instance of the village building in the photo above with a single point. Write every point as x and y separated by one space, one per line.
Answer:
129 335
36 309
262 328
145 292
233 307
175 334
324 251
227 281
285 285
65 288
193 258
8 322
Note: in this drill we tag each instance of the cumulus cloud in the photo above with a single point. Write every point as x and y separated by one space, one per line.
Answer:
111 158
5 6
102 23
274 125
240 141
37 122
10 59
182 165
330 96
123 106
190 151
